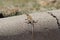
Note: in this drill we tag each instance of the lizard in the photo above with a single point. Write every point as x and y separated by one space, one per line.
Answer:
31 21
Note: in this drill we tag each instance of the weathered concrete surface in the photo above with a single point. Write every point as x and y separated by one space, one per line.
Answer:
16 28
56 13
51 35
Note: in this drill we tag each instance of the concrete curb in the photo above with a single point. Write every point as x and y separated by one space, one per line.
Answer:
16 25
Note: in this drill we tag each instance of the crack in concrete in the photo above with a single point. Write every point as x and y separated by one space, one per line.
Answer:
55 18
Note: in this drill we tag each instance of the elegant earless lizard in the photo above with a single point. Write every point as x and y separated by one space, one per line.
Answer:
31 21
